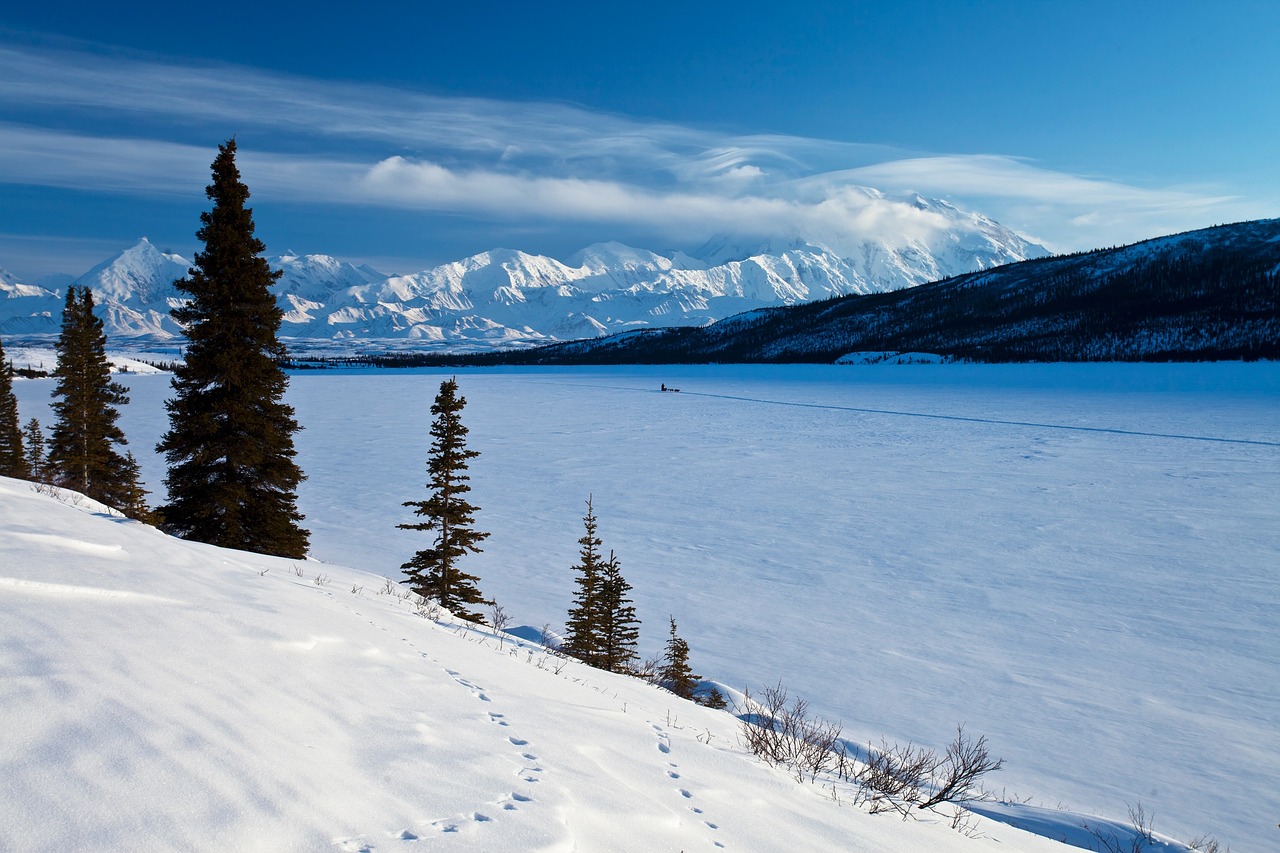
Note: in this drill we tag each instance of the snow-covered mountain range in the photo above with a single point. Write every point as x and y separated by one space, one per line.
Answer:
505 297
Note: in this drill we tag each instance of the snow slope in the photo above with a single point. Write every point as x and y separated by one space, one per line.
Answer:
164 695
1077 561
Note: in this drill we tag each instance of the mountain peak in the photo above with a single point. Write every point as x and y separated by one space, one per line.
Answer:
606 286
612 254
726 248
141 273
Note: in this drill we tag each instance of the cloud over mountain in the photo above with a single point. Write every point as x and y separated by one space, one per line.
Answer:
543 165
504 297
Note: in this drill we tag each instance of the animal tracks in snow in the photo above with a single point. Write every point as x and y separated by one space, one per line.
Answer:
476 691
672 773
527 770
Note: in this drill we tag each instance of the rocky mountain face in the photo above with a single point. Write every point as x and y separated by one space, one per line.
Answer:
505 297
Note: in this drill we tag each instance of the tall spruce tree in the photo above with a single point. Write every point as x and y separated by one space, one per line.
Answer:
433 572
13 461
232 476
82 454
582 635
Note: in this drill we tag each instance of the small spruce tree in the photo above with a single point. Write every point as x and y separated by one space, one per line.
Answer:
433 572
82 454
13 461
674 673
33 436
619 627
133 497
582 636
232 477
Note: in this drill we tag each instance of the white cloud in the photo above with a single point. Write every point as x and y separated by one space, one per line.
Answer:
321 141
150 167
1062 210
1008 177
841 214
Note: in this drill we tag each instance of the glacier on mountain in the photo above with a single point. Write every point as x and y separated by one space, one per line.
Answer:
506 297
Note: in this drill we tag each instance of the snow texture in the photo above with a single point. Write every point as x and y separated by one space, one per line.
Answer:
164 695
1077 561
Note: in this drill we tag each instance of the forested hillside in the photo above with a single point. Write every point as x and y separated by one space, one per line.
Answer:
1203 295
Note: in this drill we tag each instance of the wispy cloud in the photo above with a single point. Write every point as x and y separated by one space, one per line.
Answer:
839 214
320 141
102 164
151 167
1071 211
1008 177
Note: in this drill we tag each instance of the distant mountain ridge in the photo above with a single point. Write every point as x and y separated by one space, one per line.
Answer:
505 297
1202 295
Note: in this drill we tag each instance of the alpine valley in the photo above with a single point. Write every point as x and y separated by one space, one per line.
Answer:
508 298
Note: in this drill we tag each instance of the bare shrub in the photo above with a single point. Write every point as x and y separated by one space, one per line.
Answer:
966 761
785 735
1207 844
1140 836
647 670
427 608
893 777
299 571
1141 823
320 580
964 822
388 587
499 619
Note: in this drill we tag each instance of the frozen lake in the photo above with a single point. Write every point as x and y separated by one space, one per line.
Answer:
1078 561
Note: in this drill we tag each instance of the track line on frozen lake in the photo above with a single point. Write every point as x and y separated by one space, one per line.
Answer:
997 421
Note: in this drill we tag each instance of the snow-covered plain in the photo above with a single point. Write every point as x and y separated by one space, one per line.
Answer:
1077 561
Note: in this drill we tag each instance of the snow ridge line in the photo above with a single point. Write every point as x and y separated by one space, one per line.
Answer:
40 587
997 421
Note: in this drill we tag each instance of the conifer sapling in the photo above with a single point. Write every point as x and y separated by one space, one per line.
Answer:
675 673
582 639
13 459
433 572
33 436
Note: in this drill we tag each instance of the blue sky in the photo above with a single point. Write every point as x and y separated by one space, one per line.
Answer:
404 135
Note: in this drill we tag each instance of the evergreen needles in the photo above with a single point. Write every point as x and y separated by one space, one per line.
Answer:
433 572
82 454
13 461
232 476
602 625
675 674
